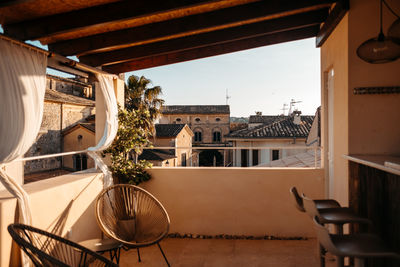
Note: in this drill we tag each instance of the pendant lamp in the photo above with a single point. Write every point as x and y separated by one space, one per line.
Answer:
379 50
394 31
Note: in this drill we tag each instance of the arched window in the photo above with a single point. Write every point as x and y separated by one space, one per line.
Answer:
197 119
178 120
198 135
216 135
218 119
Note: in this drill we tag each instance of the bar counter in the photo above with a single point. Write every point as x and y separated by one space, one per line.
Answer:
374 192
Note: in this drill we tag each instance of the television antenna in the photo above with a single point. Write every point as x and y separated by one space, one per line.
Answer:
227 97
284 108
291 105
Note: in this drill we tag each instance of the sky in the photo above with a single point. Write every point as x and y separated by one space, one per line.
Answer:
260 79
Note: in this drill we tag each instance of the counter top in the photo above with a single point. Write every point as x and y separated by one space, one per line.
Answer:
385 163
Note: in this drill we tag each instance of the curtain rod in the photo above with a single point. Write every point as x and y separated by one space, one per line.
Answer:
77 65
64 60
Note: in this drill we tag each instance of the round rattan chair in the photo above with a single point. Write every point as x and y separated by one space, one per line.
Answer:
46 249
132 216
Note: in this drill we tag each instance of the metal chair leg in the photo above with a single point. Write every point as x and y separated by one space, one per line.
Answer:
322 256
162 252
138 254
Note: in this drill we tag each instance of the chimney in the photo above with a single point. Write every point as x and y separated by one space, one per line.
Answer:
296 117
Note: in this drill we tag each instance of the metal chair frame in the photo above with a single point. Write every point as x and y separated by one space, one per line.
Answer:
25 236
131 198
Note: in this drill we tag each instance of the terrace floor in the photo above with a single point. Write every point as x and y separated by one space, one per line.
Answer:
232 253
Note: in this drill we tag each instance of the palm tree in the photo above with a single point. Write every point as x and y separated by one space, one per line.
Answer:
139 95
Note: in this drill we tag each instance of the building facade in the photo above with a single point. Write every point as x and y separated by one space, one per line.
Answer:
209 123
282 135
61 110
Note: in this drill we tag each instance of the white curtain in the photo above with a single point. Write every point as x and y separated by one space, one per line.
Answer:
22 88
106 85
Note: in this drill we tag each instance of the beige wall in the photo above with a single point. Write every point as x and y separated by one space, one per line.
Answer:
334 55
235 200
72 143
373 119
65 199
16 171
363 124
184 139
206 124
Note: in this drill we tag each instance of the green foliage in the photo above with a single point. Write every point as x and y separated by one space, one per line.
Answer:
131 137
136 125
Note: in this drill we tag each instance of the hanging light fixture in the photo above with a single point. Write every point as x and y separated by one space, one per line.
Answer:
379 50
394 29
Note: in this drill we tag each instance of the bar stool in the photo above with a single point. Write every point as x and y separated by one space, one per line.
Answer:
320 203
337 216
359 246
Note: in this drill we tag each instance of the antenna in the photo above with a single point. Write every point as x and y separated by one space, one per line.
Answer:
291 105
227 96
284 108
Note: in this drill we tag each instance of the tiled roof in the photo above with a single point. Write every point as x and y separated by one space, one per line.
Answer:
266 119
156 154
52 95
196 109
168 130
284 128
90 126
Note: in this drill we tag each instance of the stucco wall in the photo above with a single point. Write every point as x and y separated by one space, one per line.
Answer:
73 143
334 55
206 125
373 119
235 200
363 124
65 199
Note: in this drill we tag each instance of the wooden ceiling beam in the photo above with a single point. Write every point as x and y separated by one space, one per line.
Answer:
7 3
100 15
195 24
221 36
213 50
332 21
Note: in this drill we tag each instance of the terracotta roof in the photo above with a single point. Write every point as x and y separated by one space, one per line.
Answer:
55 96
168 130
284 128
89 126
266 119
157 154
196 109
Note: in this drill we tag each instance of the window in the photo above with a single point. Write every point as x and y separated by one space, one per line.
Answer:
197 136
79 162
244 157
178 120
217 119
197 119
183 157
255 157
216 136
275 154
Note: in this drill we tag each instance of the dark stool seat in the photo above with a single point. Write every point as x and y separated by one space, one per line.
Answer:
359 246
341 216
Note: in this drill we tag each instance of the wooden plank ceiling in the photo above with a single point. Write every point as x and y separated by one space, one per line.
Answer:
123 36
